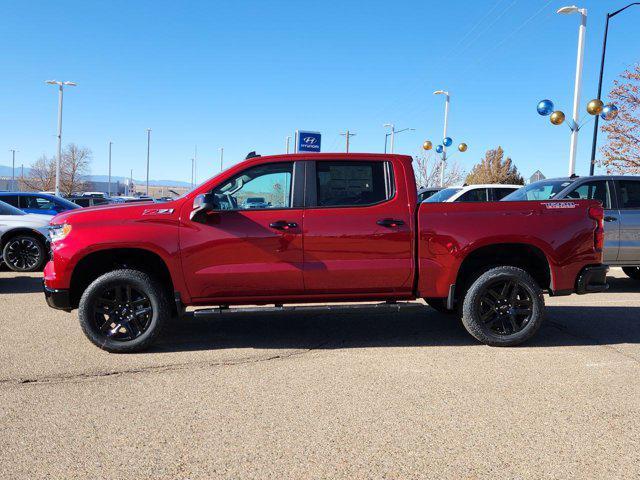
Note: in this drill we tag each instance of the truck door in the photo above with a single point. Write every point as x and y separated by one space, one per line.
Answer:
602 190
629 221
358 228
247 249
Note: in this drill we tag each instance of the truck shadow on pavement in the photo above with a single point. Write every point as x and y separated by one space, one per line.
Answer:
410 325
20 284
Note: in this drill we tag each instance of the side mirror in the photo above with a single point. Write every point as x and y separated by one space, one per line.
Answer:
202 206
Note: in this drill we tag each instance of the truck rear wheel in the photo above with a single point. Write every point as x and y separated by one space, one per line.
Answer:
503 307
123 311
632 272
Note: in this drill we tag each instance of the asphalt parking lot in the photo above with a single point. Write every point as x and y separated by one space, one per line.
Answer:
370 392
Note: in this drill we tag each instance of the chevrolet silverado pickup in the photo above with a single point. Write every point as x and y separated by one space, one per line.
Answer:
333 228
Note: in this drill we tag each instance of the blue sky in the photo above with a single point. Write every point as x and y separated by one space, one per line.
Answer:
244 75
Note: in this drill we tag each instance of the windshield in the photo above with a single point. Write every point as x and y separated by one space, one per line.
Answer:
6 209
443 195
542 190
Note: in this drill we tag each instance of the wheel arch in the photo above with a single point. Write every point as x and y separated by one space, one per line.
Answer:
9 234
99 262
529 257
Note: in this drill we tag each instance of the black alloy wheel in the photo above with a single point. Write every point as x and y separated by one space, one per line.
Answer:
122 312
503 307
24 253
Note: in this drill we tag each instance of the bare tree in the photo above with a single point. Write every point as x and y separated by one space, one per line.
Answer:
427 170
42 176
494 168
622 151
74 168
73 171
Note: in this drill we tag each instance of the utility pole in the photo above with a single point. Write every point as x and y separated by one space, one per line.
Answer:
109 188
13 169
195 166
148 149
348 134
221 157
193 173
287 144
130 181
61 86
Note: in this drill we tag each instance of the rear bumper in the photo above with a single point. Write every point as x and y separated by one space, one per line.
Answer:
592 279
58 299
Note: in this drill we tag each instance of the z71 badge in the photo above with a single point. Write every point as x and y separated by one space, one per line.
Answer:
158 211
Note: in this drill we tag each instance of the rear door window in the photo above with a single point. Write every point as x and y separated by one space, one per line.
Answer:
11 200
595 190
629 193
500 193
348 183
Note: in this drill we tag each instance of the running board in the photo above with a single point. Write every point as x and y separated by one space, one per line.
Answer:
207 312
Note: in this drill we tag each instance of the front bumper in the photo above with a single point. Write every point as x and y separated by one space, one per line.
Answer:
58 299
592 279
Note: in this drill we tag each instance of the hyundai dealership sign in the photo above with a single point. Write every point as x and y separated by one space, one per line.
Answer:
307 141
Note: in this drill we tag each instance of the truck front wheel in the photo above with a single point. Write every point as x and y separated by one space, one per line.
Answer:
503 307
123 311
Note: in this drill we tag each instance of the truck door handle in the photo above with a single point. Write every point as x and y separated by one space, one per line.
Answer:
283 225
389 222
610 219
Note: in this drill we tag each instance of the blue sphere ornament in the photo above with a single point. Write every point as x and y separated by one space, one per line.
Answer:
609 112
545 107
447 141
439 148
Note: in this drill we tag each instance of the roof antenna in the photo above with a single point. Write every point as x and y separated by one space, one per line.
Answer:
252 154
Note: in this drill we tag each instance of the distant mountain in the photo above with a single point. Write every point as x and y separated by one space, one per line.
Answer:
6 172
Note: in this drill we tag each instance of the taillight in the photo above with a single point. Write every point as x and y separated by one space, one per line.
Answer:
597 214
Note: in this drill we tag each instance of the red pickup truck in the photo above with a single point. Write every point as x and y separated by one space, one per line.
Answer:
330 228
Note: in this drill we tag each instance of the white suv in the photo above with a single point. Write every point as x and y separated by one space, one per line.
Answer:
490 192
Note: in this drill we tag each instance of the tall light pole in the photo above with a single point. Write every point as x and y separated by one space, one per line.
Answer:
109 188
443 163
221 157
61 86
392 134
604 51
578 82
288 139
347 135
13 169
148 149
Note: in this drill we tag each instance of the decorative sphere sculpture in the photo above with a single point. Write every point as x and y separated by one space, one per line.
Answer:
609 112
594 107
545 107
439 148
557 117
463 147
427 145
447 141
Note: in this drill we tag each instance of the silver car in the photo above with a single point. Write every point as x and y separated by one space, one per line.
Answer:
620 197
23 239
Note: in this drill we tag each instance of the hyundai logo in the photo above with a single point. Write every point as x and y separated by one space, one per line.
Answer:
310 140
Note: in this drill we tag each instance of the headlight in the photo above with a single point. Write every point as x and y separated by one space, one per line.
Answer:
58 232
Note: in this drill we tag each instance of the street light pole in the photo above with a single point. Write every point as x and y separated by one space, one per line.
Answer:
13 169
604 51
148 149
61 86
392 133
444 133
221 157
287 144
110 143
573 150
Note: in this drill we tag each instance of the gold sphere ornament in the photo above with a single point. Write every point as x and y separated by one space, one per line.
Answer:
595 106
557 117
427 145
463 147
